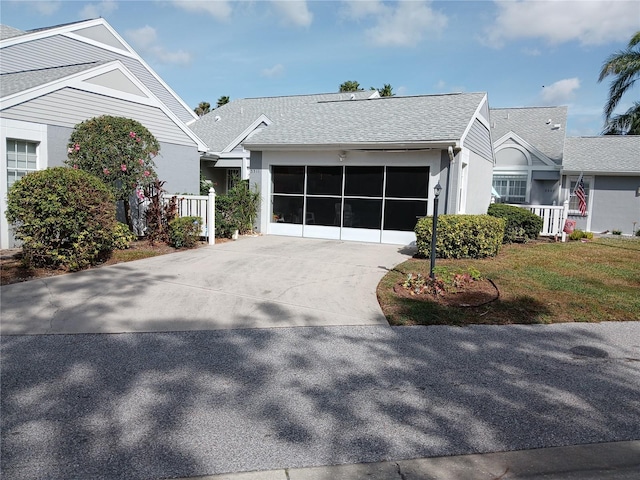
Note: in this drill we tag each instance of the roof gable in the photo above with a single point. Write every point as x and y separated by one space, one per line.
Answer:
541 127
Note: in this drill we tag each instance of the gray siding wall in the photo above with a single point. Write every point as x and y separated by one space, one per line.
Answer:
255 178
478 140
60 50
179 166
445 183
57 139
69 106
478 185
544 192
615 205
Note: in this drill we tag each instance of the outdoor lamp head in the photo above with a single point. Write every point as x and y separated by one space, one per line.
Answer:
437 189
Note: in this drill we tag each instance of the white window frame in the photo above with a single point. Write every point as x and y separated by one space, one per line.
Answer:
570 185
17 168
522 177
233 173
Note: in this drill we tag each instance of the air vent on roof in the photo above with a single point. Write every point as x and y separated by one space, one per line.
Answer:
353 96
217 118
556 127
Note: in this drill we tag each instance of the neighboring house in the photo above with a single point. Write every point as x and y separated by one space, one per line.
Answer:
528 145
54 78
610 166
365 169
226 128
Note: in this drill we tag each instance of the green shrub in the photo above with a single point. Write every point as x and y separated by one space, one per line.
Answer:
122 236
616 232
65 218
638 233
461 236
521 224
579 235
237 210
184 232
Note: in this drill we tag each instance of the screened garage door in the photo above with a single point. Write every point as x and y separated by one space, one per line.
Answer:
362 203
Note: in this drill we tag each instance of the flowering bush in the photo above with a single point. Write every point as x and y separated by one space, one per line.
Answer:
119 151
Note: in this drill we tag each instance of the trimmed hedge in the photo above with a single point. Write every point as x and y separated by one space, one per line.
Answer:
66 218
461 236
521 224
184 232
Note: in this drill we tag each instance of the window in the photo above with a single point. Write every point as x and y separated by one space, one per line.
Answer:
574 206
511 188
22 158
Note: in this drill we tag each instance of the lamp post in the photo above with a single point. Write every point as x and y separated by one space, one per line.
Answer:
436 193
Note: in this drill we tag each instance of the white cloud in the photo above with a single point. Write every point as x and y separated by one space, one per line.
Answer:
589 22
560 92
294 12
145 40
532 52
219 9
275 71
101 9
403 23
46 8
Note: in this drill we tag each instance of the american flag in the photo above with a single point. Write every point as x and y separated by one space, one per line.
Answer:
582 198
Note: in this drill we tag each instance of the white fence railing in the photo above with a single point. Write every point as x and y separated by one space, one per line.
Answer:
553 218
202 206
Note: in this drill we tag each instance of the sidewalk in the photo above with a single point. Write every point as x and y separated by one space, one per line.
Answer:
616 460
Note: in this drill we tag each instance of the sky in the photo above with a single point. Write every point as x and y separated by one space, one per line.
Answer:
522 53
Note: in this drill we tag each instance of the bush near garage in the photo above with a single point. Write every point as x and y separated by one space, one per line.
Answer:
461 236
579 235
184 232
65 218
237 210
521 224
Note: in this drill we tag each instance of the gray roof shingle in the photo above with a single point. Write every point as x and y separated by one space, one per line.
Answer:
384 120
534 125
8 32
609 154
15 82
223 125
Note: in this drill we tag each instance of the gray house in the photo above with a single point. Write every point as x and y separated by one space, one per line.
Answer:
528 144
226 128
610 166
54 78
365 169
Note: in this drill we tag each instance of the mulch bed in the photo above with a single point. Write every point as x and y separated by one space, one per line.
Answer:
475 294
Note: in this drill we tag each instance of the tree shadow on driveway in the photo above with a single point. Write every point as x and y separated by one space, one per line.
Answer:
159 405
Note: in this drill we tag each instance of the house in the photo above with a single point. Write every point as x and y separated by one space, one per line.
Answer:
365 169
226 128
536 164
528 144
53 78
610 166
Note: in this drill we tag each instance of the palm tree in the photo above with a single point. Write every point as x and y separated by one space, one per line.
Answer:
202 109
350 86
223 100
624 67
386 90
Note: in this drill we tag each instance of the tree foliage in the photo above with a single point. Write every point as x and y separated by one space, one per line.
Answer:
64 217
119 151
624 68
223 100
385 91
202 109
350 86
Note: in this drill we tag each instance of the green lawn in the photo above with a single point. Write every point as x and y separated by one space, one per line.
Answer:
540 282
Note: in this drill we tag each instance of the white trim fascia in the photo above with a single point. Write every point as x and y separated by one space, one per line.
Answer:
511 135
77 81
67 30
375 94
602 173
236 141
382 146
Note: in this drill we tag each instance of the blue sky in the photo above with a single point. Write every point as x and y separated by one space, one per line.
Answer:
523 53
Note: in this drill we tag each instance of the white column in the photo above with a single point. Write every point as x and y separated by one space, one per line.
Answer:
211 216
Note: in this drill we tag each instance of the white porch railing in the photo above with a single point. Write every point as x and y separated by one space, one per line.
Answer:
553 218
202 206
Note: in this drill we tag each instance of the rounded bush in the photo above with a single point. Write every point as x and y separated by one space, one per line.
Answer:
460 236
521 224
64 218
122 236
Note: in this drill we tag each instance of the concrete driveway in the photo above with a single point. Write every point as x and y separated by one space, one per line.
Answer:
256 282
